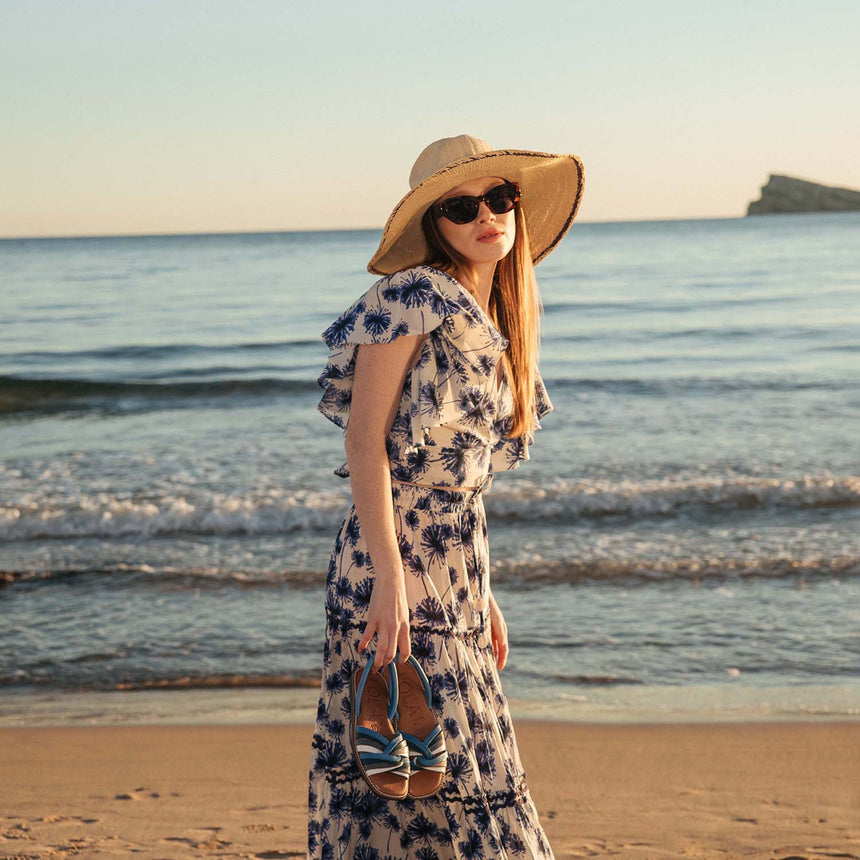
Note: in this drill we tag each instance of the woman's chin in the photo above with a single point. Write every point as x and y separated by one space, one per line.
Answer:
488 253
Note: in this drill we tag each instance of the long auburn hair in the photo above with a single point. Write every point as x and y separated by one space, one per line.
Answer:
514 307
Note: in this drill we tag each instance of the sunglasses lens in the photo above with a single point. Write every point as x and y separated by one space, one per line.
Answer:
460 210
502 198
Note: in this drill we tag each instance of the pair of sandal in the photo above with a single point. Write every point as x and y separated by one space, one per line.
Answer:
398 744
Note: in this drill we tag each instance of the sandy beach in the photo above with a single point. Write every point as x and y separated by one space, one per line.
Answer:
752 790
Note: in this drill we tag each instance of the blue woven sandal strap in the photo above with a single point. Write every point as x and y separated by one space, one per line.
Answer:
393 686
363 732
393 689
359 692
378 754
427 753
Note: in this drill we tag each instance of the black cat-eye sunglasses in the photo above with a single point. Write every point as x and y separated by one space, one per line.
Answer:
462 210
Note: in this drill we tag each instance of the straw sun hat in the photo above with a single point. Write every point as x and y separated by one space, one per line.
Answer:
551 188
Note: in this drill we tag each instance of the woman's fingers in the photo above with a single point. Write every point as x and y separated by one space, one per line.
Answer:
499 634
383 646
500 650
403 643
388 642
388 619
369 630
502 656
391 637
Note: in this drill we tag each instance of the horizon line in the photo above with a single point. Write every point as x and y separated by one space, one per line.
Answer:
270 232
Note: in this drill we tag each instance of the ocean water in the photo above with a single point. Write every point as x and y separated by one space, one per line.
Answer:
683 544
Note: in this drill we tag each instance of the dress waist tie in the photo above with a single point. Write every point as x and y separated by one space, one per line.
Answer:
468 492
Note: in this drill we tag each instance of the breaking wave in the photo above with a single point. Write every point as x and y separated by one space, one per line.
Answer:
36 516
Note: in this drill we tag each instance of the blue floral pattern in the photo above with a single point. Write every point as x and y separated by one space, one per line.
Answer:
450 431
452 421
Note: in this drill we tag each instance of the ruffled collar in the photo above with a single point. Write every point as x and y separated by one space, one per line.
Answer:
453 289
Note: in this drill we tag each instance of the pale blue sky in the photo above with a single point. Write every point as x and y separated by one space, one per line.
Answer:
149 116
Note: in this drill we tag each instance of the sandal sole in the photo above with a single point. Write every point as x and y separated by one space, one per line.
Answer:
353 719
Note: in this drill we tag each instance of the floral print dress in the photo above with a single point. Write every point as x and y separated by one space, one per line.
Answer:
449 431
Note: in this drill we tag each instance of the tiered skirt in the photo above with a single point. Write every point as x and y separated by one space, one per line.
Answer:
484 809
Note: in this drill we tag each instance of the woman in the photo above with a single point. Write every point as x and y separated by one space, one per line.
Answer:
433 375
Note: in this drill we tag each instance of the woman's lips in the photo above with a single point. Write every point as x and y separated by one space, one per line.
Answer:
489 237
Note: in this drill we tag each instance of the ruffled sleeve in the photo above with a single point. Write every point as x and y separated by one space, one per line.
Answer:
418 300
509 453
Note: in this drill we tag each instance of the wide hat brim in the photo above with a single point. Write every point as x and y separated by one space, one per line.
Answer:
551 188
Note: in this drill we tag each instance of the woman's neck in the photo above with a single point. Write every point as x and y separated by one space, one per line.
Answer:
479 281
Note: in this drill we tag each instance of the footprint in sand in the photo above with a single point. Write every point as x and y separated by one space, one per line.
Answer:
52 819
141 793
594 849
77 844
820 851
824 852
208 844
19 830
22 830
277 855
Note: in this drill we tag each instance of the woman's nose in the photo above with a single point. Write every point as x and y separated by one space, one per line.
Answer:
485 213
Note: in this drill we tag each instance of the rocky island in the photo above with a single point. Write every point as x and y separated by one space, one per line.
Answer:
787 194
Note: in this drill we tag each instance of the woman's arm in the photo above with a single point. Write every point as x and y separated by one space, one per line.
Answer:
380 371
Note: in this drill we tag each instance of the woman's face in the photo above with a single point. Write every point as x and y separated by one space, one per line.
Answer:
489 237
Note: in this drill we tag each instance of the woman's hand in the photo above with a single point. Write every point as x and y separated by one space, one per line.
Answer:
498 633
388 617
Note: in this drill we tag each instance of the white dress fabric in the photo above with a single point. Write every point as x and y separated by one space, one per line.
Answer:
449 431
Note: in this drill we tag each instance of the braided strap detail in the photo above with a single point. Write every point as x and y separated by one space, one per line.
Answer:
378 754
429 754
